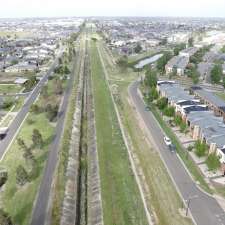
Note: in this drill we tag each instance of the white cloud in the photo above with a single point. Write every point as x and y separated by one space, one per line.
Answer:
18 8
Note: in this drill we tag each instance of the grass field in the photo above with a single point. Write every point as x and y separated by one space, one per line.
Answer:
163 200
121 199
221 95
10 89
17 201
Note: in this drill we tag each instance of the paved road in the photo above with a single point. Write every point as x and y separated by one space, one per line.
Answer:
39 215
15 125
204 209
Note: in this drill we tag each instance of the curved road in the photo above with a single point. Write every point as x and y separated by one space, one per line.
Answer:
205 210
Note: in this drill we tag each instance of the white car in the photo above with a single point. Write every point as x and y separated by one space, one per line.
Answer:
167 141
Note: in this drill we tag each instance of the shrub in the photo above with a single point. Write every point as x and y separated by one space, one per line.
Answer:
169 111
200 149
213 162
21 175
162 103
177 120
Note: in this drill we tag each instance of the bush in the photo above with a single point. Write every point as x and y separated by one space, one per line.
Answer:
183 127
21 175
169 111
200 149
162 103
36 109
190 148
51 112
213 162
177 120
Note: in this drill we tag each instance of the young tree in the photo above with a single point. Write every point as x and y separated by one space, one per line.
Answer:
21 143
123 62
213 162
151 78
66 70
57 86
21 175
163 61
37 138
216 74
153 94
190 42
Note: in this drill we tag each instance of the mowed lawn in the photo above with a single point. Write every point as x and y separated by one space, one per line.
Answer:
18 201
120 195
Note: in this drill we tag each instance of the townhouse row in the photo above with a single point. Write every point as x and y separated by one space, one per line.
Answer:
203 112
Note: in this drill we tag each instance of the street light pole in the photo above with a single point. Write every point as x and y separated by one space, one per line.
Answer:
189 202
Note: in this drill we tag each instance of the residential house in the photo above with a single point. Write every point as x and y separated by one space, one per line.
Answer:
177 64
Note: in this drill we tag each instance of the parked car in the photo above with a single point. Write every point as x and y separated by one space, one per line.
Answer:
172 148
167 141
147 108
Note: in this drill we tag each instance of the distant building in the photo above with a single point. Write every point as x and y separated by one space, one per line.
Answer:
188 52
177 63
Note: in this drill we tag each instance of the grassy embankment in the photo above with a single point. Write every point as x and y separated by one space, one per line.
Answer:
16 200
60 178
121 199
163 199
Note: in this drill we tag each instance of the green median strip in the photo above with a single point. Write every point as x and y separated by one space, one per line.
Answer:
120 195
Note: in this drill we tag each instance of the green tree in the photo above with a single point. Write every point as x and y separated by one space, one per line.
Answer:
66 70
190 42
37 138
138 48
162 103
122 62
151 78
5 219
57 86
163 61
30 83
51 112
178 48
21 175
216 74
153 94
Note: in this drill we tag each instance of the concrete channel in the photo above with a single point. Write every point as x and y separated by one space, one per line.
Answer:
82 200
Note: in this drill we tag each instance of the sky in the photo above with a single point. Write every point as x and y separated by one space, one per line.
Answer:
52 8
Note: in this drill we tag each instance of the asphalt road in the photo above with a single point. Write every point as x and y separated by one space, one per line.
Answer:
40 210
15 125
204 209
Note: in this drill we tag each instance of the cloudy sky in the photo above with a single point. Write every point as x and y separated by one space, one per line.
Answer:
33 8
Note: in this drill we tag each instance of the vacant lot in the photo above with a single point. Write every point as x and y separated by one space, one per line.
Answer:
121 199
